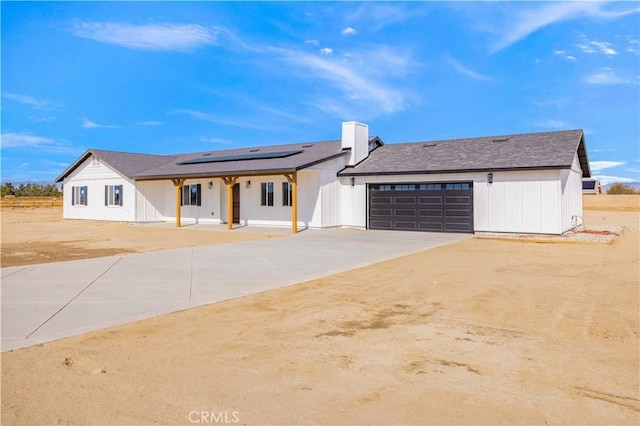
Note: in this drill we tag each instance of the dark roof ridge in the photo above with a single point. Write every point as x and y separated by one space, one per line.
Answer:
484 137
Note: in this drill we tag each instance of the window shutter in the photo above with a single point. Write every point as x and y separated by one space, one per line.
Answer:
182 196
198 195
73 195
106 195
121 197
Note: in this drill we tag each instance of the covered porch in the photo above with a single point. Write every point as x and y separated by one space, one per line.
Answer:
230 184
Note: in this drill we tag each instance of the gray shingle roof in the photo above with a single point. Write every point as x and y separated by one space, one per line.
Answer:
312 153
547 150
128 164
147 166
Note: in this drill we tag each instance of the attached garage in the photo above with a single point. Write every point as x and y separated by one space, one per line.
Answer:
427 206
523 183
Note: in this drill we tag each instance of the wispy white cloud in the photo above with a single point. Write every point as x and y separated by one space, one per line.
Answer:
250 123
155 36
312 42
605 77
529 20
22 140
605 47
26 99
149 123
592 47
364 83
12 140
217 141
466 71
377 16
633 46
607 179
349 31
564 55
88 124
554 124
326 51
596 166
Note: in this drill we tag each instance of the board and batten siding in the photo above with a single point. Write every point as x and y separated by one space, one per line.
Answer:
327 211
571 183
95 175
516 201
157 202
253 213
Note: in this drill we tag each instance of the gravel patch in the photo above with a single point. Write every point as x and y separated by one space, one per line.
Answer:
602 234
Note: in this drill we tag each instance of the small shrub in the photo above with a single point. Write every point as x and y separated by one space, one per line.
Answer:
621 188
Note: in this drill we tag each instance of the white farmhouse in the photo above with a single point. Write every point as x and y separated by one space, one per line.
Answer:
524 183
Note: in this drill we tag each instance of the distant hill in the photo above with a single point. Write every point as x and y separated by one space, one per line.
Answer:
634 185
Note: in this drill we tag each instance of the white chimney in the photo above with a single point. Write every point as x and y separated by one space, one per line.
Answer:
355 136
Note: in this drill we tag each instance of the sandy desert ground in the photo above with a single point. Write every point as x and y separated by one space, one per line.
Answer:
479 332
31 236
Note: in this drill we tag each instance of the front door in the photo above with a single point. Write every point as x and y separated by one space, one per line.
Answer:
236 203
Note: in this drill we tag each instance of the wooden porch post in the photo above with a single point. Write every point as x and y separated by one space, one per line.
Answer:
293 181
229 181
178 182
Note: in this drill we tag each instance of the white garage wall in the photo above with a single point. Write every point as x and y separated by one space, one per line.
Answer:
571 183
518 201
95 175
328 212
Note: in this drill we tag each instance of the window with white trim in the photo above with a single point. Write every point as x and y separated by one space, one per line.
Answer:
266 194
191 195
286 194
79 195
113 195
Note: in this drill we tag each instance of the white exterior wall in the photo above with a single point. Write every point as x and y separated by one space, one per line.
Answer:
252 213
518 201
157 202
95 175
571 183
328 206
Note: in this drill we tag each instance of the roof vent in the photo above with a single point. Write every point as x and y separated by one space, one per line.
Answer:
206 155
254 150
307 146
501 139
427 145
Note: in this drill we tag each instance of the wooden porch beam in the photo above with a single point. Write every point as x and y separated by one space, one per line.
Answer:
177 183
229 181
293 181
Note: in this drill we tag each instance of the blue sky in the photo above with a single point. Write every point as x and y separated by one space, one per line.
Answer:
172 77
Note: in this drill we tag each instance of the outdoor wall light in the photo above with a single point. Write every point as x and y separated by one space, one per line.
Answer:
353 182
210 185
247 184
490 178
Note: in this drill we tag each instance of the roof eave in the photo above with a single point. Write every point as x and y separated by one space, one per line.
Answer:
260 172
88 153
344 172
581 150
203 175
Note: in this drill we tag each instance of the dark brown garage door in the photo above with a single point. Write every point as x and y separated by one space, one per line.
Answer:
431 207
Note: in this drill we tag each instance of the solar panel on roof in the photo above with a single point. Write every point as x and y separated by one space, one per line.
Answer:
241 157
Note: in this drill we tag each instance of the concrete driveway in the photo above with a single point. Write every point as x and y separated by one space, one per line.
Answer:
42 303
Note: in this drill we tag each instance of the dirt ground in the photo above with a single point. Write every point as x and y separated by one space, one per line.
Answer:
31 236
478 332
